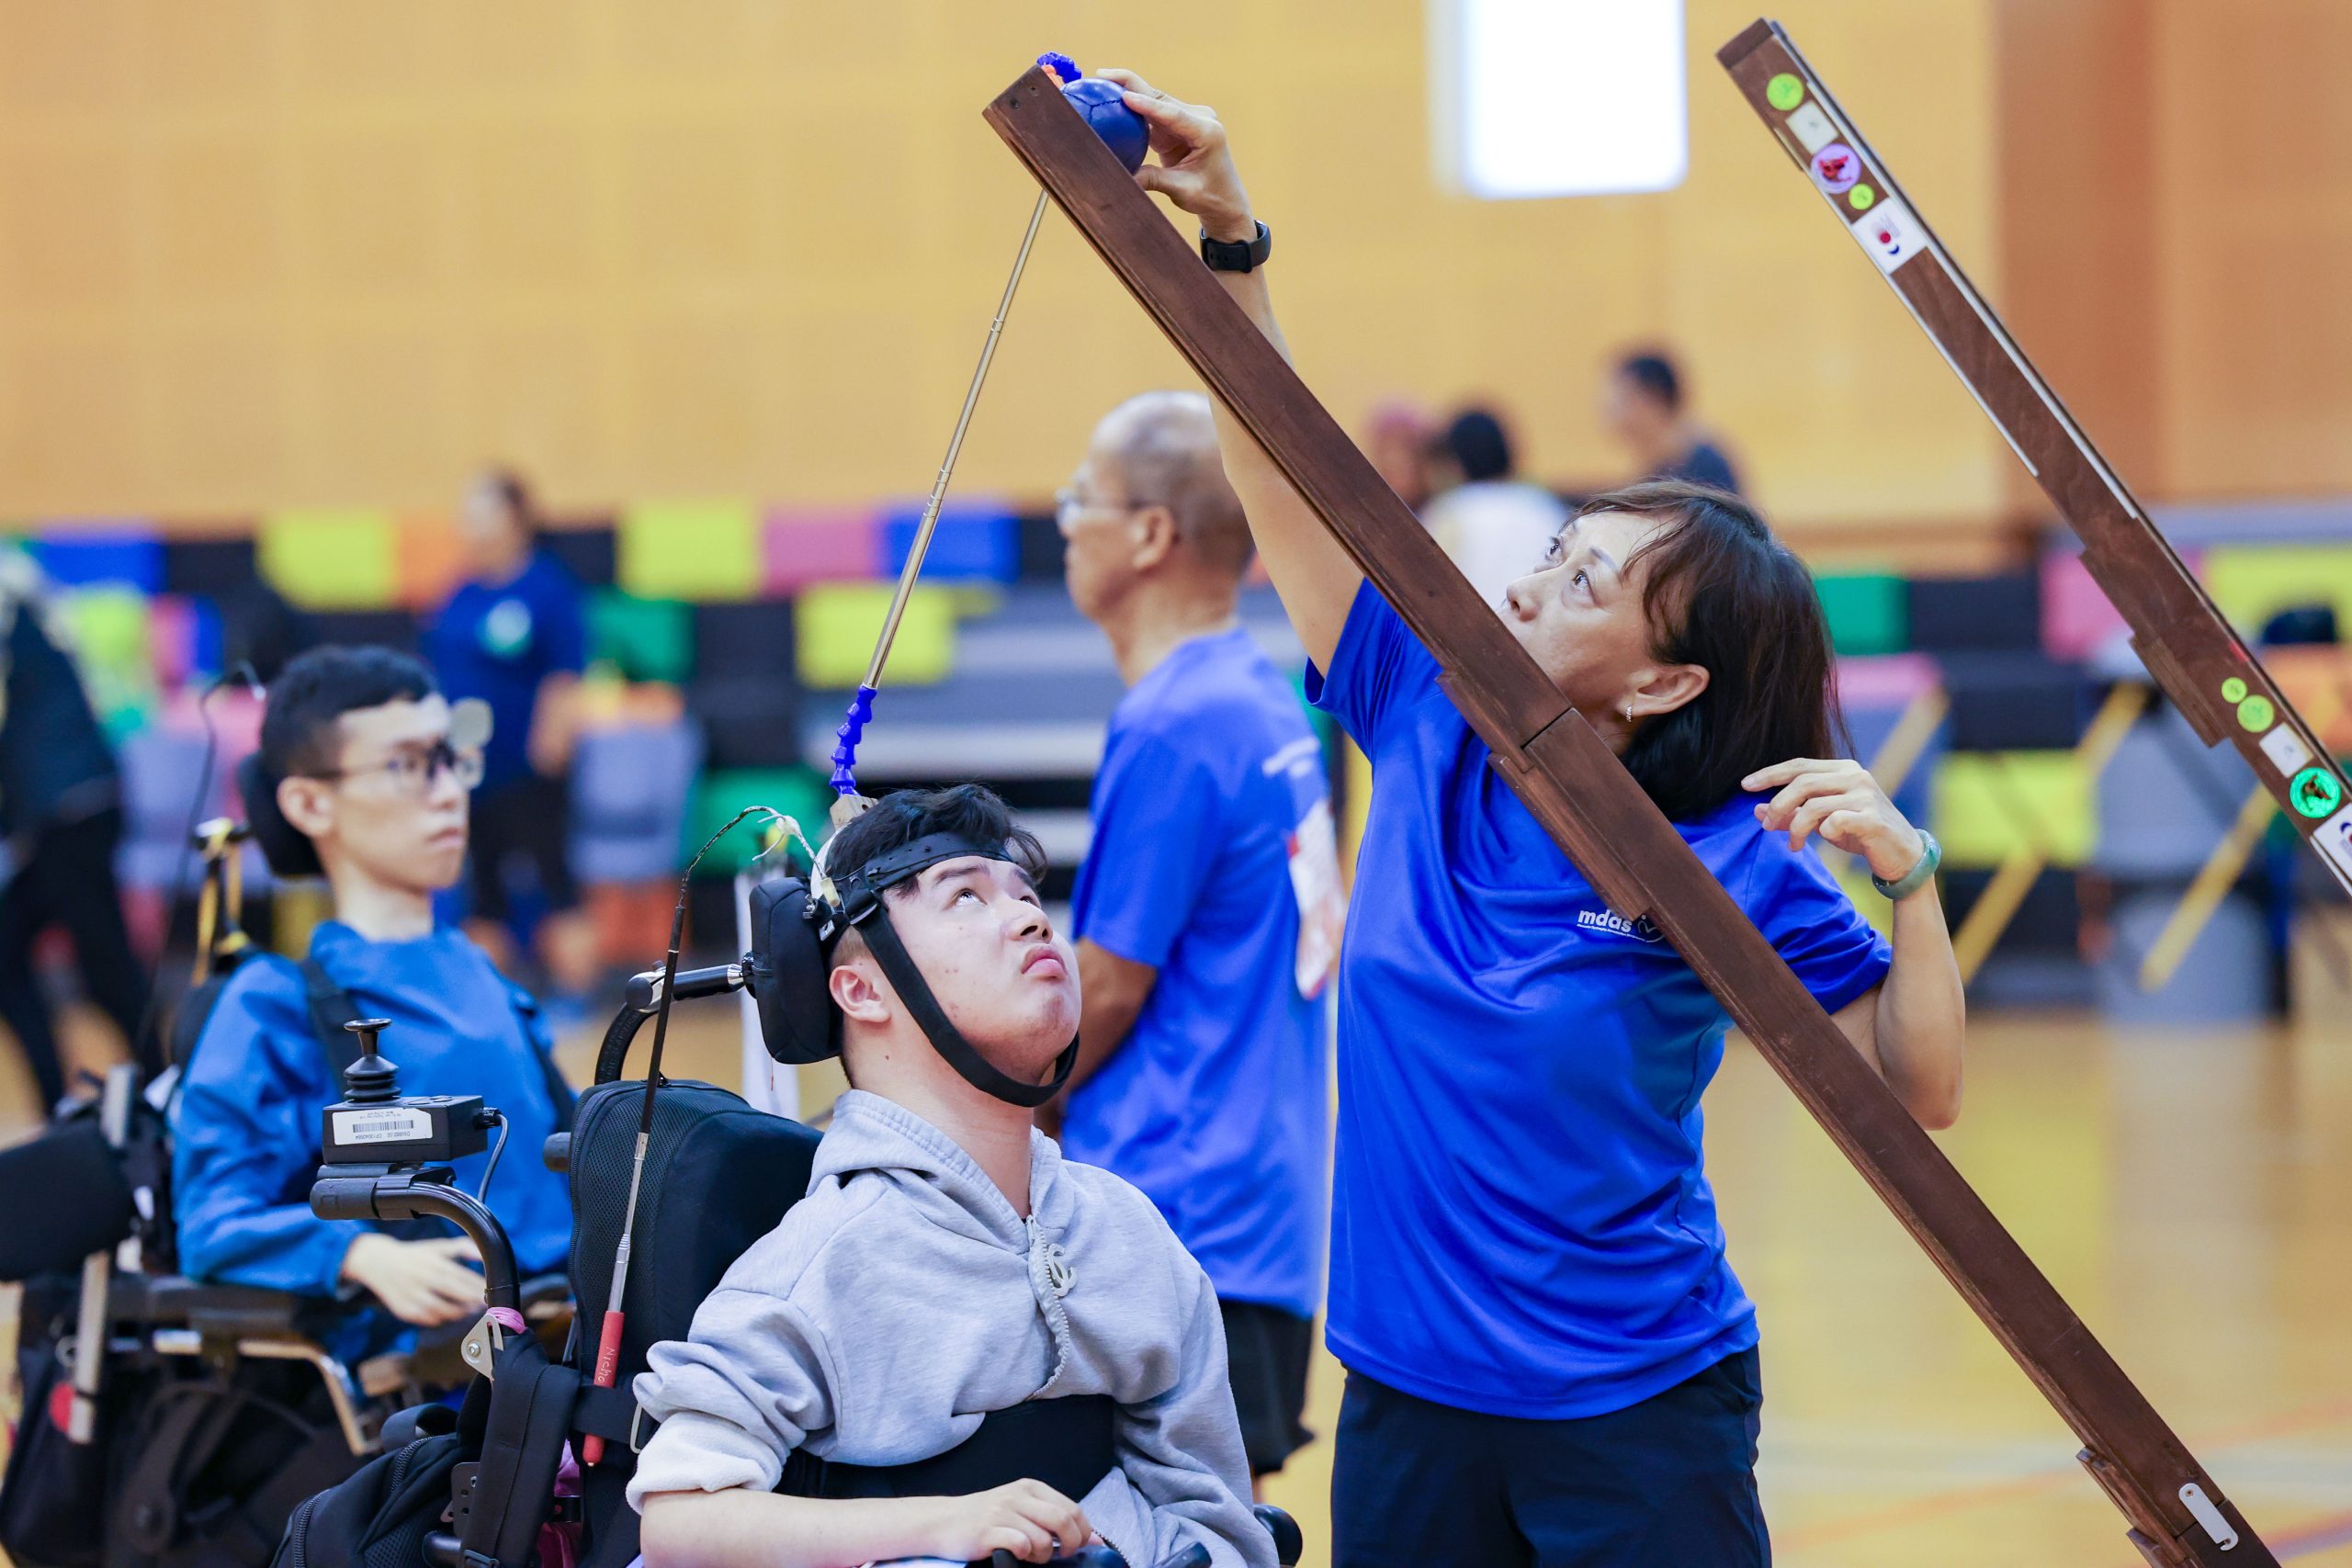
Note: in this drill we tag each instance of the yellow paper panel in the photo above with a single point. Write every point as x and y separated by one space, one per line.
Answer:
836 624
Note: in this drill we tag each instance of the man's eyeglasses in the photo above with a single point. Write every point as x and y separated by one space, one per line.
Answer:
413 770
1070 506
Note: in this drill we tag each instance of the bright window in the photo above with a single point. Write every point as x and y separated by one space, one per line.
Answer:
1558 97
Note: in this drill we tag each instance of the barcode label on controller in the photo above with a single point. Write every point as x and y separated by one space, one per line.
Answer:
389 1125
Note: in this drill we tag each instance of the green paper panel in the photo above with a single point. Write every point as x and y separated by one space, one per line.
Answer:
2253 583
836 624
800 794
693 550
112 632
644 639
1984 800
1866 612
332 559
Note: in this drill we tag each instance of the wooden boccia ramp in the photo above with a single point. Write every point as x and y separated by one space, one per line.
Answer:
1559 767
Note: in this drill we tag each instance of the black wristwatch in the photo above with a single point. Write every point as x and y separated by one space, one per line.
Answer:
1238 255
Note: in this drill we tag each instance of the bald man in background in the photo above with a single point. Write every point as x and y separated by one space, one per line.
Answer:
1207 911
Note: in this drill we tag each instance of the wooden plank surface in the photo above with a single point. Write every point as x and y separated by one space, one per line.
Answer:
1576 787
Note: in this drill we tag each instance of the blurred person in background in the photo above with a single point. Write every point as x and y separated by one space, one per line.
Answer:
515 635
1644 407
1399 442
1495 525
61 818
1208 909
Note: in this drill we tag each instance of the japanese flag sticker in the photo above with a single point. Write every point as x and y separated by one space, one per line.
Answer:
1890 233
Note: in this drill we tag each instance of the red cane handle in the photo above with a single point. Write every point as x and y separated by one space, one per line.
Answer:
608 1365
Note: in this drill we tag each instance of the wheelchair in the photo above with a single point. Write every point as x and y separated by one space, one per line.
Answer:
498 1489
169 1423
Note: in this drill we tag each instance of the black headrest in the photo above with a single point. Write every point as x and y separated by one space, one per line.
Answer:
788 970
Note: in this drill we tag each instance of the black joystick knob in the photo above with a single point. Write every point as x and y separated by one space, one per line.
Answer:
371 1080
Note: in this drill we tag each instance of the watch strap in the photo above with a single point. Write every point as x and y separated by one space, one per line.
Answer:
1238 255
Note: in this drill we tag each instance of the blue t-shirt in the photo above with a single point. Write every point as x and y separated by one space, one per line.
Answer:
245 1131
497 641
1212 833
1521 1222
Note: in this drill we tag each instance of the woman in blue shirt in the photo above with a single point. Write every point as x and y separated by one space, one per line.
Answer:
1550 1360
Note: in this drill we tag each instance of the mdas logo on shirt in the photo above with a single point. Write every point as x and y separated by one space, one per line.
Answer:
1609 922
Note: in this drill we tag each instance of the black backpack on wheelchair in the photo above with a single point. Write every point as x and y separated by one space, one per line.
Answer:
718 1175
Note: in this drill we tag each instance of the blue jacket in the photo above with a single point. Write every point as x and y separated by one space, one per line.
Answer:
246 1145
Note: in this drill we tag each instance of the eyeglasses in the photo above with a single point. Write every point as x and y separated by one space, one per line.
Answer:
1068 506
413 771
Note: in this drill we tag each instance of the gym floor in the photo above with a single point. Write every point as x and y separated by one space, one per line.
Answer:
2186 1192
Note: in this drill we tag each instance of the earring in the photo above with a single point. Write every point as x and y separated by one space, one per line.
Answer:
1629 713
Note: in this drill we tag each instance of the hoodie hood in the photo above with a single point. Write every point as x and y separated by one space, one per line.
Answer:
871 1137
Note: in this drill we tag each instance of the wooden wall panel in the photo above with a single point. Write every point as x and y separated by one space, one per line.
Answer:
258 254
2253 137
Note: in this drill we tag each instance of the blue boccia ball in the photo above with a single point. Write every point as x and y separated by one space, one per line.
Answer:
1099 103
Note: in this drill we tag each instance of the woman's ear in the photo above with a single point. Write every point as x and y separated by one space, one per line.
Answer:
308 805
1665 690
857 991
1153 530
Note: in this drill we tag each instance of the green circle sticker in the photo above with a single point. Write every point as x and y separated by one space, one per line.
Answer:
2233 690
1784 91
2256 712
1861 198
2316 792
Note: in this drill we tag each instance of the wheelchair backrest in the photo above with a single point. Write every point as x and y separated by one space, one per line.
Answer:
718 1175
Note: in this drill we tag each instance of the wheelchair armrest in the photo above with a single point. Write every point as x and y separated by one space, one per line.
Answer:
214 1312
1290 1541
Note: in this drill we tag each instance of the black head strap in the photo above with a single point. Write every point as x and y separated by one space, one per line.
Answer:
861 906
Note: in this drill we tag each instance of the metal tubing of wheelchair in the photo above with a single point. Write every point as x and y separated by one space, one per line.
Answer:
644 995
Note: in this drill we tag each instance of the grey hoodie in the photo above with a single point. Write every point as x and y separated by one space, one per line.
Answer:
902 1299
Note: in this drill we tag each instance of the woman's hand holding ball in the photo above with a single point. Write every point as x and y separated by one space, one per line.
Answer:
1196 169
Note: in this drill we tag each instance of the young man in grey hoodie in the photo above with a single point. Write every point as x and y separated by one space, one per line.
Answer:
946 1262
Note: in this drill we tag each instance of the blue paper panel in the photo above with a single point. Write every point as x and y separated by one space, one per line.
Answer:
129 558
976 541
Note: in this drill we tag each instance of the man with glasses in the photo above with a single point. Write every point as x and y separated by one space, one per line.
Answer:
363 777
1207 910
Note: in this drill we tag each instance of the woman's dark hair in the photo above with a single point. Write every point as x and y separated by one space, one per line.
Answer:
1720 592
1654 374
971 811
299 732
1478 445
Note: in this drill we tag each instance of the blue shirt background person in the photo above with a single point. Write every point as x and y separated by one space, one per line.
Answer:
1536 1238
500 640
1208 909
515 635
1216 1105
246 1127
